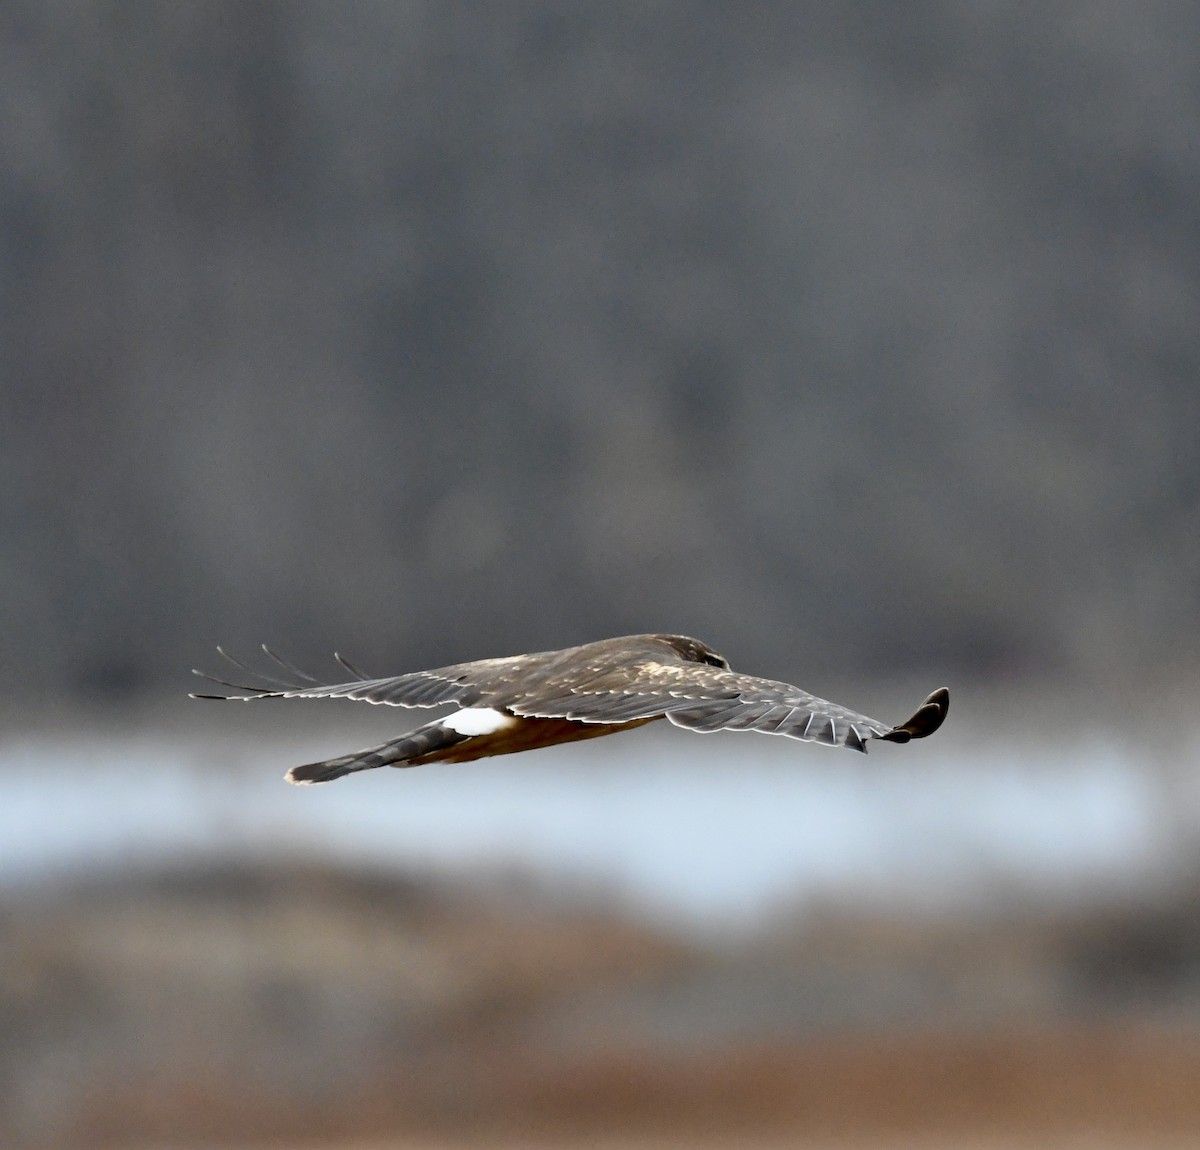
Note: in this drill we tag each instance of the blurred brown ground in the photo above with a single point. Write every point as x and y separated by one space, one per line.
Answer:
270 1004
958 1142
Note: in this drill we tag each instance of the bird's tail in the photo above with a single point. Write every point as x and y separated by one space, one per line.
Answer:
401 752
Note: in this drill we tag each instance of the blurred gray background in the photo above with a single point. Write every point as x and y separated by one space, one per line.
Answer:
854 338
858 340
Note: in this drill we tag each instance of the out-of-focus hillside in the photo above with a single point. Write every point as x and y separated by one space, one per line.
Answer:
846 337
241 1002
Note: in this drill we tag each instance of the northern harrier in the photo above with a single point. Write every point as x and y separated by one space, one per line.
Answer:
528 701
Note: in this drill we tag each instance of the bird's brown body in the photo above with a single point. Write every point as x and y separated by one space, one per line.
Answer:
524 702
528 735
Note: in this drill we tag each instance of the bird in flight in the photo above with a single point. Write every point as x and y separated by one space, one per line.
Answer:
529 701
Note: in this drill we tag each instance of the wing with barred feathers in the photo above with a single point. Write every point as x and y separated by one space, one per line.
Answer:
462 683
706 698
545 675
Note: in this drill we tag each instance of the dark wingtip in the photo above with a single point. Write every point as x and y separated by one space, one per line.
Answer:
930 715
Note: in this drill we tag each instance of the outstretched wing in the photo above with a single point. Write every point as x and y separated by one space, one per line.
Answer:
546 676
781 709
704 698
462 683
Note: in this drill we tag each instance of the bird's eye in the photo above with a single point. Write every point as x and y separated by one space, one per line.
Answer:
716 661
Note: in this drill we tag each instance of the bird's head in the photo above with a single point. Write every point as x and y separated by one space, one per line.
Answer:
694 651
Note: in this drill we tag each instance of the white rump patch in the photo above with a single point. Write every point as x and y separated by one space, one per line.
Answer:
478 721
